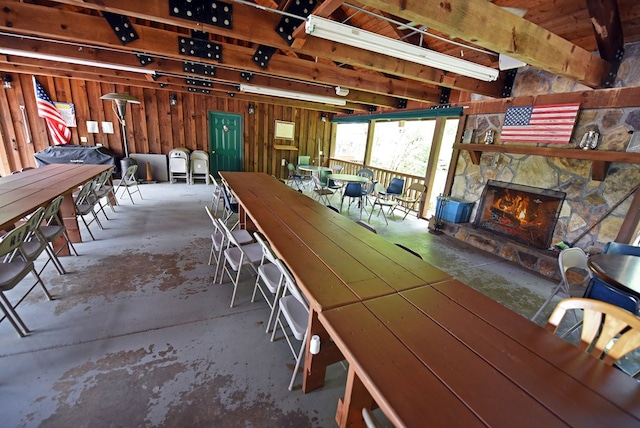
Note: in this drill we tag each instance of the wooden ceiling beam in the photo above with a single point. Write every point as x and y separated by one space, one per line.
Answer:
28 19
491 27
258 27
607 28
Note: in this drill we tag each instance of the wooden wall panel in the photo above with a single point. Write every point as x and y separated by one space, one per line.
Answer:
154 126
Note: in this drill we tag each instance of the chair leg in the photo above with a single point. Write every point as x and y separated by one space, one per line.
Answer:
298 360
13 317
555 291
44 289
22 330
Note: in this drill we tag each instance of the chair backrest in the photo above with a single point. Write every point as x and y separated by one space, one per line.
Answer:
353 190
396 187
51 212
290 283
13 239
336 168
619 248
227 202
598 331
366 172
572 258
316 181
130 173
84 193
419 188
367 226
304 160
378 188
231 240
267 252
210 214
34 221
600 290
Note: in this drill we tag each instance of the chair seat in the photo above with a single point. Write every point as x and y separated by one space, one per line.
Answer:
296 314
51 232
234 254
270 274
12 270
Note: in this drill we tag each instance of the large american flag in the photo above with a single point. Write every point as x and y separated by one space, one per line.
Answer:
58 129
540 124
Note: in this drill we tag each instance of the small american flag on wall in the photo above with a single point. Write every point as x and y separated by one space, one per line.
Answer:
60 133
540 124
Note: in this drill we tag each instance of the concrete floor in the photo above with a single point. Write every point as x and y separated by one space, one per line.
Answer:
139 336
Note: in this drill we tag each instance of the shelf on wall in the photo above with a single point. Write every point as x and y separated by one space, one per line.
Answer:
284 147
600 158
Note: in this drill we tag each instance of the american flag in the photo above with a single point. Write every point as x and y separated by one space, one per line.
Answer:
540 124
58 129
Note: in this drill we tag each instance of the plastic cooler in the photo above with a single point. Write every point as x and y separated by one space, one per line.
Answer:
454 210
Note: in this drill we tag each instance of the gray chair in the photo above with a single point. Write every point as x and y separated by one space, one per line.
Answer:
35 243
52 226
85 205
12 271
129 180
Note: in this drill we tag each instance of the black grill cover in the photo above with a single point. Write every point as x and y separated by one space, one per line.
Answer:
76 154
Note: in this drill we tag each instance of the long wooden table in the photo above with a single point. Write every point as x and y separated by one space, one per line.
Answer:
427 349
22 193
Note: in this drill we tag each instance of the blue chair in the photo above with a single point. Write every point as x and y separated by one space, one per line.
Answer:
618 248
600 290
353 191
396 187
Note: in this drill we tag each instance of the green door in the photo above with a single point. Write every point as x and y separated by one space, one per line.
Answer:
225 142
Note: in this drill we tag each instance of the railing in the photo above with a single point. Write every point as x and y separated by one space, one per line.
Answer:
380 175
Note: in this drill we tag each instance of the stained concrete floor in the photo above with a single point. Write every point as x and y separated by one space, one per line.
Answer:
139 336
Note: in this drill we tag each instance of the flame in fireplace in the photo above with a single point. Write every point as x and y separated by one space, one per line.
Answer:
515 206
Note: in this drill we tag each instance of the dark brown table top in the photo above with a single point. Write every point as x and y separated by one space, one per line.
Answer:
335 261
619 270
446 355
21 193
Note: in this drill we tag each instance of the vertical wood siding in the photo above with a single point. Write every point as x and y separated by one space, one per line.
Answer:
154 126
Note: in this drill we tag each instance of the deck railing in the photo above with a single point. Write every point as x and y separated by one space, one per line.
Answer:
380 175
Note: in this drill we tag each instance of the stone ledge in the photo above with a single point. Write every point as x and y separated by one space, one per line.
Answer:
544 262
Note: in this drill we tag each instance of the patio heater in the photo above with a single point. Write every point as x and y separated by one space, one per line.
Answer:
119 103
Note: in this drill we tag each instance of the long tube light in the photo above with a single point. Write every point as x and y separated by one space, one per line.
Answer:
77 61
348 35
302 96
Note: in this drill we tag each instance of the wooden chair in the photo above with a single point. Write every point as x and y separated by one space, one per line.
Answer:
602 323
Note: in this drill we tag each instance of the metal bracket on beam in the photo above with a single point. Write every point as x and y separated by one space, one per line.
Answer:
246 76
402 103
288 23
444 95
509 80
613 70
199 82
199 48
144 59
263 55
214 12
121 25
198 90
198 68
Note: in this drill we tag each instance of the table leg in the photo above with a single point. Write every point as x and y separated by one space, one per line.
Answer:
70 221
356 397
242 217
315 366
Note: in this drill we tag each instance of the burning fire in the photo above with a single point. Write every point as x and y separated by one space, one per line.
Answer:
515 206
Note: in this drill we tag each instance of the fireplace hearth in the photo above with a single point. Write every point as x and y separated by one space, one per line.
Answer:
522 213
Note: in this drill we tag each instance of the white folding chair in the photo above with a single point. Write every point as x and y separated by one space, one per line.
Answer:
272 278
216 196
295 310
219 241
237 256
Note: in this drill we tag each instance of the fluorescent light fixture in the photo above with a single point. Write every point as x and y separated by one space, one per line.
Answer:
302 96
67 60
345 34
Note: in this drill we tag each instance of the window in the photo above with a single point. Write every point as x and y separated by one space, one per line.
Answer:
351 142
402 146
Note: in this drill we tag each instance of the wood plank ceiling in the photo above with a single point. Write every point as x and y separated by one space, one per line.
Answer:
578 39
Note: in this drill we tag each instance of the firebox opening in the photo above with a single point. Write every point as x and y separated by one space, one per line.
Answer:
523 213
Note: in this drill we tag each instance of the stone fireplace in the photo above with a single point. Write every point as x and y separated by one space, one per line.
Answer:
522 213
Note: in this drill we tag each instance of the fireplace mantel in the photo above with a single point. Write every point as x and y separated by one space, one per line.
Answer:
600 158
